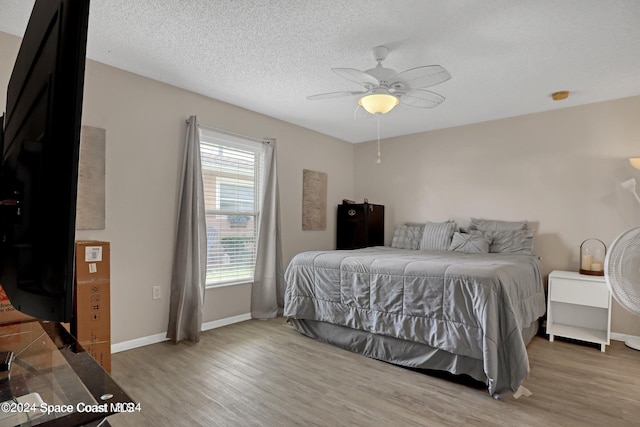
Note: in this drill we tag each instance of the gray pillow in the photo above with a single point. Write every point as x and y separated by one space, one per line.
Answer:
470 243
407 236
511 242
496 225
437 236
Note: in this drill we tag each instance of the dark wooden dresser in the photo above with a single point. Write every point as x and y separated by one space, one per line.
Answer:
360 226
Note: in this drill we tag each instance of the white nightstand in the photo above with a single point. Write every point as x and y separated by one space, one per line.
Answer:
579 307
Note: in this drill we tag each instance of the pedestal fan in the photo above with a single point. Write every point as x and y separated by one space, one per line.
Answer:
622 273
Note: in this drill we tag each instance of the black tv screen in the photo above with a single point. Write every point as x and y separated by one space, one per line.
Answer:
40 152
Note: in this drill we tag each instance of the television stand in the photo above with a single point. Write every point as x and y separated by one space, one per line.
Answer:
53 381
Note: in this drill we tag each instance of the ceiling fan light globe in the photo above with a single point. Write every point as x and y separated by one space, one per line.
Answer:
635 162
378 103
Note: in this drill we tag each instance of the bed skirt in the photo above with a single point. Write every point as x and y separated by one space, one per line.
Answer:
398 351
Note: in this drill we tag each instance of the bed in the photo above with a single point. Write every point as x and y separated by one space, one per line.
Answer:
425 306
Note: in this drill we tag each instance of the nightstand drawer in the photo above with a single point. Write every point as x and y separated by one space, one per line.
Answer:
570 291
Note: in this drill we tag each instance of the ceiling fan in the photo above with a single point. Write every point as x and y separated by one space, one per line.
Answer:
384 88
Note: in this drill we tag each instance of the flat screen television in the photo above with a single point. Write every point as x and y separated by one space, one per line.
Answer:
40 147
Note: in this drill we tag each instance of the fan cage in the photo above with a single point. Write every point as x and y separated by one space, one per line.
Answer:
622 266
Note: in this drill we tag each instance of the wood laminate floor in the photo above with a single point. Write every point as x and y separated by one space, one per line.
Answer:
264 373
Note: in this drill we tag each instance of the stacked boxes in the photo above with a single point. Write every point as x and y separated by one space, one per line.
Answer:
91 325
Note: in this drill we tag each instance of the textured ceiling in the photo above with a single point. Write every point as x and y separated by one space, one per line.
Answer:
506 56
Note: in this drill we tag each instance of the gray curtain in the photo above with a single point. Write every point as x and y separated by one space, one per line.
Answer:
190 258
267 292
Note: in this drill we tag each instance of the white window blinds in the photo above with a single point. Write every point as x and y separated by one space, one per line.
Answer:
231 174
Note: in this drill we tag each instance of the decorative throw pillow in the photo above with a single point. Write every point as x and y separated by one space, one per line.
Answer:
496 225
399 236
511 242
437 236
470 243
407 236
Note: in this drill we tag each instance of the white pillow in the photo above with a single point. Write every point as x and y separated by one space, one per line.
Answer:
496 225
437 236
407 236
470 243
511 241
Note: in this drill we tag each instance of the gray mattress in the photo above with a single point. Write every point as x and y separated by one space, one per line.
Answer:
462 313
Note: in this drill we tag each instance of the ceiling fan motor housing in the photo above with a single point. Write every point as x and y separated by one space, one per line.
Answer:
384 75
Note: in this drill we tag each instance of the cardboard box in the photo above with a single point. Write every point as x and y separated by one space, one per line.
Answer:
14 337
91 324
93 261
100 351
8 314
92 308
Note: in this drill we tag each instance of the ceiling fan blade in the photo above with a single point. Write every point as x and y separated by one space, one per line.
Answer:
334 95
357 76
419 77
360 113
420 98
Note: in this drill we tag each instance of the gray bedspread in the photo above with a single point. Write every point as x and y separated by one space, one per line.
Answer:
474 305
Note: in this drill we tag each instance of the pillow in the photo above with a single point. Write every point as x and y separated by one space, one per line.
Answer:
496 225
470 243
437 236
407 236
511 242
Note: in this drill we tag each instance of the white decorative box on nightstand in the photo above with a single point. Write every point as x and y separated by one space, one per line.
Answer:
579 307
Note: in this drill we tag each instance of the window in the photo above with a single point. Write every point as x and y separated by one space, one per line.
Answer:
231 174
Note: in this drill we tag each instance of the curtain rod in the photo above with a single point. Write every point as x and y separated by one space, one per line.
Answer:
215 129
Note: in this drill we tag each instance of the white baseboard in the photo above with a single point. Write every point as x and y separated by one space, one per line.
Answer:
138 342
622 337
226 321
154 339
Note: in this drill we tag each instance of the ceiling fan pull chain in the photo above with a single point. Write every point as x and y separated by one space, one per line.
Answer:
378 122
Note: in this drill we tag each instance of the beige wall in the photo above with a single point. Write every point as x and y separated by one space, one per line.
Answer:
560 170
145 126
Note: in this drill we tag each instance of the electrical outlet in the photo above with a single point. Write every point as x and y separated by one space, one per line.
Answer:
156 292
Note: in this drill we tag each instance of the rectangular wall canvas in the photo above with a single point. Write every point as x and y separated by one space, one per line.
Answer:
314 200
90 210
